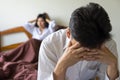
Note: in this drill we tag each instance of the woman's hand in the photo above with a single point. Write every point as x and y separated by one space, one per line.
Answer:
46 15
47 20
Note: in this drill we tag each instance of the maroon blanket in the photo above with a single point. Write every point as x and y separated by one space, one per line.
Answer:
20 63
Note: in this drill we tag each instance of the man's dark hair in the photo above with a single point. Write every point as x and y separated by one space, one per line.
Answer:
43 16
90 25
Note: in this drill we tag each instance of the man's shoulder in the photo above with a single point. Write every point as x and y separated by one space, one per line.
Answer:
112 46
110 42
56 36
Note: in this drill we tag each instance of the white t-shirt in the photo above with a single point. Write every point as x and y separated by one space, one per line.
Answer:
52 48
36 33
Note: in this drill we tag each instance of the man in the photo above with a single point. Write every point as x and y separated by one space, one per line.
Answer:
83 51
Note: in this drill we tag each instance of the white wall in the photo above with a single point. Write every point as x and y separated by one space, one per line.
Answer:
17 12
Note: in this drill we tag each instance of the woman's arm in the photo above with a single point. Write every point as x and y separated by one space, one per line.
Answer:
31 21
29 26
48 20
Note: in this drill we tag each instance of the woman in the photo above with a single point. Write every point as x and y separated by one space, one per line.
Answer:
24 58
39 28
42 27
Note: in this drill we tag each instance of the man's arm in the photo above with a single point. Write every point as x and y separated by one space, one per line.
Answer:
112 61
107 55
59 72
47 61
72 55
112 71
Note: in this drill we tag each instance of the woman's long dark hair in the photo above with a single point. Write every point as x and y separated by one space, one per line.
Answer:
43 16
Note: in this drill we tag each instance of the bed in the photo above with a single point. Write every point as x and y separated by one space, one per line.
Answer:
19 61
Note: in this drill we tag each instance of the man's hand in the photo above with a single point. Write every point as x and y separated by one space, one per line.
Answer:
72 55
104 55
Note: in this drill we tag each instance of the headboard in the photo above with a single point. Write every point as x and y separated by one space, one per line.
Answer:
17 29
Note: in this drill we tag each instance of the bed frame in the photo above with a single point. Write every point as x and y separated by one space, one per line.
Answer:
18 29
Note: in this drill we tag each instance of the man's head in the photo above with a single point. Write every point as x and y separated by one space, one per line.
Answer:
90 26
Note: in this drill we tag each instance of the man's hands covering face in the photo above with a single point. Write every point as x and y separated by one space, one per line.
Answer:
75 53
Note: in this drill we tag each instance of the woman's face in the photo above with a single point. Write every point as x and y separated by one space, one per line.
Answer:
41 23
